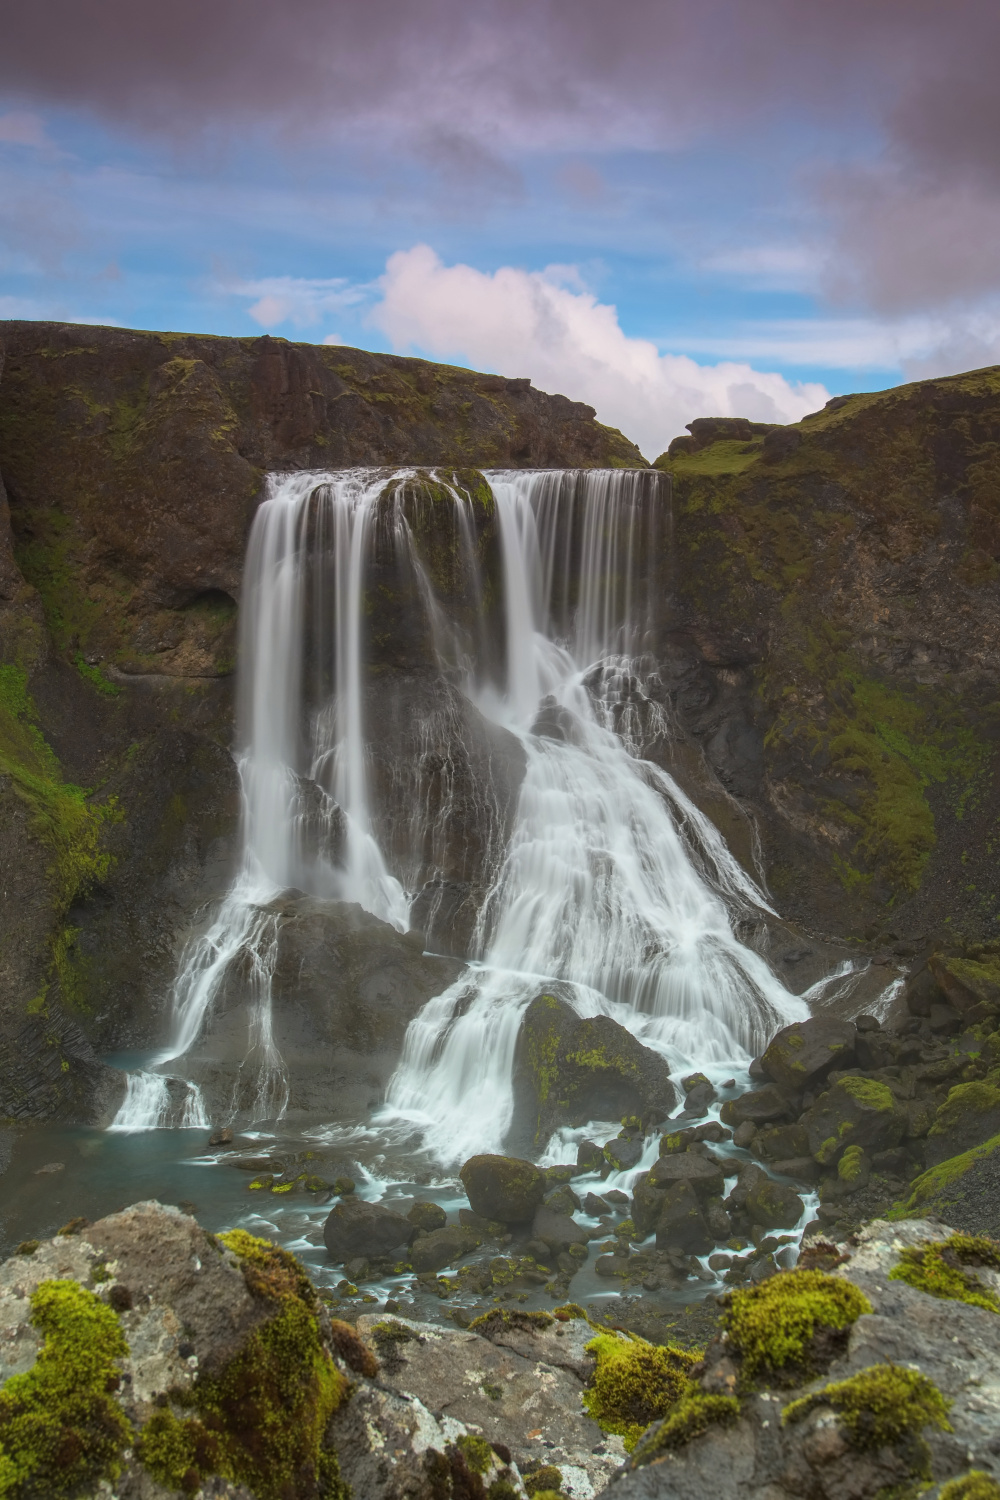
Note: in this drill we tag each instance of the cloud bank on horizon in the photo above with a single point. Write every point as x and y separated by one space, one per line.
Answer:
667 209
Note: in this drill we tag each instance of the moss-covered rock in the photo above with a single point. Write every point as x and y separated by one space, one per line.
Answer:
774 1205
788 1326
855 1112
504 1189
801 1055
969 1116
880 1406
947 1269
635 1382
570 1069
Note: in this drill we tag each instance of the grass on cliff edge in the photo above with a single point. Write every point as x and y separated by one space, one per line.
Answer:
62 817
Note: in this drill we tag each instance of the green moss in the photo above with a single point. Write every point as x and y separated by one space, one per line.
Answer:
964 1102
940 1269
261 1421
60 1425
477 1452
879 1406
869 1093
63 818
692 1417
851 1164
727 456
771 1326
635 1382
931 1185
976 1485
544 1481
95 677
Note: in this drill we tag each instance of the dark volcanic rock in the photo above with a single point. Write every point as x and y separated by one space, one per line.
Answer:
345 987
758 1107
503 1188
801 1055
356 1228
569 1070
855 1112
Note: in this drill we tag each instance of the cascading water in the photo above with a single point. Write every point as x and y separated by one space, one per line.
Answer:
612 887
600 892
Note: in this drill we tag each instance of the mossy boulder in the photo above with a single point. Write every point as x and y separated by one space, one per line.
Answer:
781 1142
504 1189
971 980
801 1055
855 1112
569 1069
427 1217
702 1172
773 1205
758 1107
969 1116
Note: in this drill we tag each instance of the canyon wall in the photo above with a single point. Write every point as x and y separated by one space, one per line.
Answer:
826 651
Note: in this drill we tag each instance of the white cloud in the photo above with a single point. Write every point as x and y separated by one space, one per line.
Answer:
301 301
334 338
532 323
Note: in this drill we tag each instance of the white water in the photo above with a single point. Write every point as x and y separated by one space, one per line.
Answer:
614 890
599 894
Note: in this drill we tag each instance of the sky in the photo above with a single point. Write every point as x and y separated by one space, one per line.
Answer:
665 208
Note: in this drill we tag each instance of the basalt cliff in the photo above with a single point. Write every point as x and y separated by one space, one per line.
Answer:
826 651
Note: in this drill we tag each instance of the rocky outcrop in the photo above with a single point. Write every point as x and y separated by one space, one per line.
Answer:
835 649
142 1357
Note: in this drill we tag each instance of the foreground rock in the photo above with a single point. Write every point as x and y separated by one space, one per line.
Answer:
906 1396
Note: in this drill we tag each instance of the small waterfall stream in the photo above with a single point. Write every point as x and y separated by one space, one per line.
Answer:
613 886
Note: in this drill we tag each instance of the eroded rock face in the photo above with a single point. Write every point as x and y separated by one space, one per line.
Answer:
345 987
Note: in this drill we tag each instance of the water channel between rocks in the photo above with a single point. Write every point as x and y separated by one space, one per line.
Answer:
484 779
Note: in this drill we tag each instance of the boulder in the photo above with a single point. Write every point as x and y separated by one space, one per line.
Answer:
623 1153
969 1115
773 1204
855 1112
562 1200
781 1142
556 1230
801 1055
569 1069
702 1173
647 1201
681 1223
969 981
759 1107
505 1189
589 1157
427 1217
439 1248
355 1227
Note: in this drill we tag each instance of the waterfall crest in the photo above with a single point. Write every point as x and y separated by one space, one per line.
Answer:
612 886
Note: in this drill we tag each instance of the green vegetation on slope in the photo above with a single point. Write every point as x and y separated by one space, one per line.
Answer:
63 818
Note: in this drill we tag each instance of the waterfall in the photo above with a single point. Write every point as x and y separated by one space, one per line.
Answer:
613 887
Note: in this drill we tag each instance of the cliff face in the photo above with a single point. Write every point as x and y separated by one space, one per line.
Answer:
827 646
837 650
